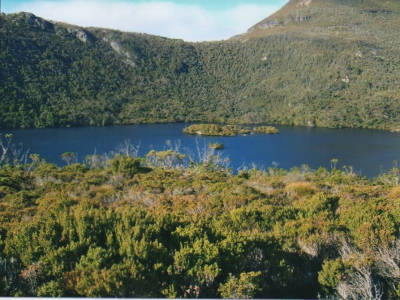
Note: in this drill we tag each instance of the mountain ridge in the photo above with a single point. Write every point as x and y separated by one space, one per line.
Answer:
310 12
302 72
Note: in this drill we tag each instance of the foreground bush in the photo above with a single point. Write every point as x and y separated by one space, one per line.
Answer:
154 227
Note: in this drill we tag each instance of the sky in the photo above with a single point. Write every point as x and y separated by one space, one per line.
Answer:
190 20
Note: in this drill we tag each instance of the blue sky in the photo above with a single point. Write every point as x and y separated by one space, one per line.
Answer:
191 20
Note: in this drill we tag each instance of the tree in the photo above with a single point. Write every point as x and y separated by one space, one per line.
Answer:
5 145
68 157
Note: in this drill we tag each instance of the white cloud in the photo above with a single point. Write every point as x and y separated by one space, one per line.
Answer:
188 22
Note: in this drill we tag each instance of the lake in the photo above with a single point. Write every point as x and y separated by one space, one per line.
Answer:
370 152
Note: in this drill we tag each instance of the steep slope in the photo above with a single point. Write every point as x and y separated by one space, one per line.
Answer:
351 77
368 20
315 62
59 75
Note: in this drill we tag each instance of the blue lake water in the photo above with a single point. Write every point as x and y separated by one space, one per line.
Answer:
370 152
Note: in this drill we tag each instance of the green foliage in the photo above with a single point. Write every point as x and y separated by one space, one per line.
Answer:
215 130
331 63
125 165
266 130
50 289
68 157
122 229
161 227
168 158
330 276
92 278
244 287
216 146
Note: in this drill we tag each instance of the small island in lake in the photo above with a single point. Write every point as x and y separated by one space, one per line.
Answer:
216 146
215 130
227 130
266 130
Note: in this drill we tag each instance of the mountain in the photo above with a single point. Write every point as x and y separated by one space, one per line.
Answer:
366 20
331 63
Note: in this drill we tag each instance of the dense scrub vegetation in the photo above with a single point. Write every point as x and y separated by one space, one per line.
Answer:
159 227
266 130
317 63
215 130
227 130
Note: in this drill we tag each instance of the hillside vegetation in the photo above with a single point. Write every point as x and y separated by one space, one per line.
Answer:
157 227
328 63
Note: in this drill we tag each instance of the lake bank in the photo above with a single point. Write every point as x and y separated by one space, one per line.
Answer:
370 152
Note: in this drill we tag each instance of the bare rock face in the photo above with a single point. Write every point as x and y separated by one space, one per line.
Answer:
304 3
299 12
269 24
120 51
302 18
272 23
41 24
80 34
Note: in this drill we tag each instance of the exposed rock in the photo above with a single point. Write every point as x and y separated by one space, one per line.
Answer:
302 18
118 49
311 249
377 11
276 23
304 3
297 19
269 24
80 34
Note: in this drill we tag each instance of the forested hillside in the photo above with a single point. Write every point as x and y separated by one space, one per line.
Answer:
316 62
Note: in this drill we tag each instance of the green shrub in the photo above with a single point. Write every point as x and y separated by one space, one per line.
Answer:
125 165
245 286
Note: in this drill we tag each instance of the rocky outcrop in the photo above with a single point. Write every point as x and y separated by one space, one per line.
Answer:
119 50
272 23
377 11
269 24
81 34
299 19
33 21
304 3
